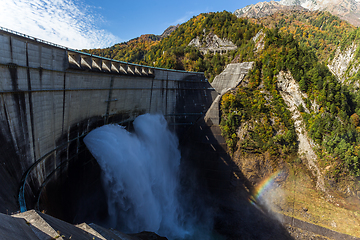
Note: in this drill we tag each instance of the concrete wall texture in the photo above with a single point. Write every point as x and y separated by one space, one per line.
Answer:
51 96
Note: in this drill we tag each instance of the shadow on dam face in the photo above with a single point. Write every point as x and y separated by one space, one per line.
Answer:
76 193
75 187
221 187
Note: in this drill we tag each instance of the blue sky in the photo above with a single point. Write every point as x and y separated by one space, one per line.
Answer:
102 23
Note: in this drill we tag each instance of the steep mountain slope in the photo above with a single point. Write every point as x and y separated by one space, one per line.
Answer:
334 41
320 31
327 124
290 114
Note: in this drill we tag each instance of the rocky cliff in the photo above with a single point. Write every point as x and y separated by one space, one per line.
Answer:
293 97
348 10
263 9
168 31
344 65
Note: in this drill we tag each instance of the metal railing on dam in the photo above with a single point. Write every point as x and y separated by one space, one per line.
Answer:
52 96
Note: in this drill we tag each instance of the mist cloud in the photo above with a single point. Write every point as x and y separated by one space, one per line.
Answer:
65 22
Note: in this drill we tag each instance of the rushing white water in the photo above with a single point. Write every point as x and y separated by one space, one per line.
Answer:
141 175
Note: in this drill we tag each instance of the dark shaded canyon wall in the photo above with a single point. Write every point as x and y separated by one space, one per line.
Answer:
51 97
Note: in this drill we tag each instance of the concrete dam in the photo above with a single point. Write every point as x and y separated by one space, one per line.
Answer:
52 96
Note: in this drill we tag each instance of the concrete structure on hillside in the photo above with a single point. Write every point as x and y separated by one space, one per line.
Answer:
51 97
229 79
212 44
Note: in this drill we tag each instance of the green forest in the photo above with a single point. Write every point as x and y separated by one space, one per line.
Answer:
334 127
318 30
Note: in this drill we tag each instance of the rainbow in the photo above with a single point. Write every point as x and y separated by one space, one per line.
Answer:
264 185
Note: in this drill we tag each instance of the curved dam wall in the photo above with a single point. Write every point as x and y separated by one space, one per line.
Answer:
51 97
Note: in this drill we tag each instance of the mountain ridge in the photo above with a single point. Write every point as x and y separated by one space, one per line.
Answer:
263 9
348 10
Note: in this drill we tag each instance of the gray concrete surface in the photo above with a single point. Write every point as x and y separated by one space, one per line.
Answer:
34 225
15 228
38 225
228 79
231 77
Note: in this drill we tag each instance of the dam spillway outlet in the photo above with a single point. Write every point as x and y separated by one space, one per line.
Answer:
140 175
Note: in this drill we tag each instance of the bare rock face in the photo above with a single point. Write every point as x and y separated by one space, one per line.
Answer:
263 9
258 39
293 97
344 64
287 84
348 10
168 31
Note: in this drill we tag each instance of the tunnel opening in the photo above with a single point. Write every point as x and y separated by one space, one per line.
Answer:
74 188
73 192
